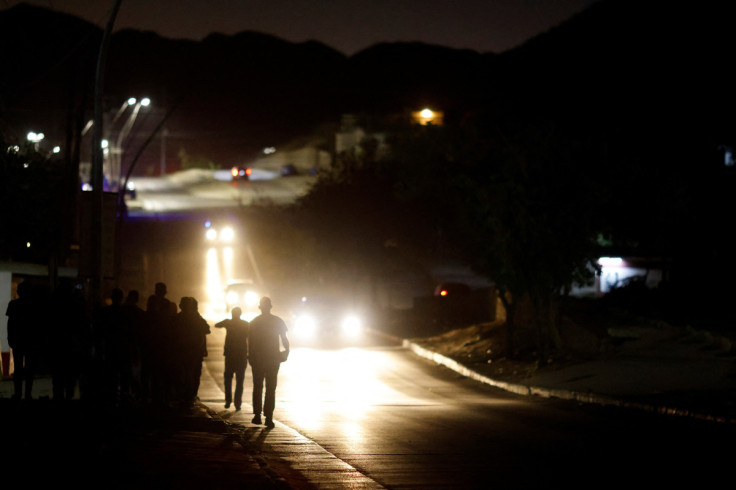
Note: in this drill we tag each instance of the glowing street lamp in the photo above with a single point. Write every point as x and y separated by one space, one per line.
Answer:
35 138
427 116
117 150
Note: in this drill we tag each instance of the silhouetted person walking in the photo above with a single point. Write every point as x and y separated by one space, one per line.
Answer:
70 338
156 369
135 325
236 356
23 336
265 357
190 331
109 335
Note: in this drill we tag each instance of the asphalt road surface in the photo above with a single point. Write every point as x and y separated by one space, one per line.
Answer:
206 189
407 423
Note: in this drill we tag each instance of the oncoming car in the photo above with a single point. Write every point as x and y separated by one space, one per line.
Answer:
244 294
325 319
224 234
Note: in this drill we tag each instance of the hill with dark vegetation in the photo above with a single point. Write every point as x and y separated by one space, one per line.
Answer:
620 68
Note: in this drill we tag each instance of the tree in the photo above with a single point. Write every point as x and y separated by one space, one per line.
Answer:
31 188
515 202
361 232
189 161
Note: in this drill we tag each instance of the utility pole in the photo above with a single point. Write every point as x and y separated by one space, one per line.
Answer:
95 242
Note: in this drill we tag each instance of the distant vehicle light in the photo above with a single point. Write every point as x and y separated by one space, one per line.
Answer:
305 327
232 297
244 294
211 234
227 234
351 326
240 173
452 289
251 299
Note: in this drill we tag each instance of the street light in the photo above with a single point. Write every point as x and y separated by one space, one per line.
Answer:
117 150
427 117
35 138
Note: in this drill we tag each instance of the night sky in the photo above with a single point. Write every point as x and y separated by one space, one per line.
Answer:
346 25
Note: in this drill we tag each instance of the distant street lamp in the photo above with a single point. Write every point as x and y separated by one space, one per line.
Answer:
131 101
427 117
117 150
35 138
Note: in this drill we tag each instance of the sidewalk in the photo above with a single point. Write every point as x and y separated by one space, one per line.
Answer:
47 443
667 370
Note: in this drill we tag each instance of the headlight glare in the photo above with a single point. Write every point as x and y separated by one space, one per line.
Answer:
351 325
305 326
251 299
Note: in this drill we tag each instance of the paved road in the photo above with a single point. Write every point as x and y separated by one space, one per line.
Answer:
205 189
407 423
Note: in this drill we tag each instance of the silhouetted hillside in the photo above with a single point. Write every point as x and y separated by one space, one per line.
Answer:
621 69
631 63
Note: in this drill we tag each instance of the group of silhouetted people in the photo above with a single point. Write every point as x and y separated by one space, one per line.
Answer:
117 354
49 332
122 353
153 355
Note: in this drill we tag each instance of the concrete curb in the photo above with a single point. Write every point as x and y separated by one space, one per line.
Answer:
528 390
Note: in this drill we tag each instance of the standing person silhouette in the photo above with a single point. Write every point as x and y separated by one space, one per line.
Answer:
265 357
23 337
189 335
156 369
109 325
135 325
236 355
71 338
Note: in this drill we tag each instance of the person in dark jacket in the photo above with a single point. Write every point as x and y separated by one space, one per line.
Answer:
189 332
156 356
236 356
71 340
109 335
24 337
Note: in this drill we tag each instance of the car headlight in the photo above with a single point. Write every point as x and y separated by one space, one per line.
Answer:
305 326
232 298
251 299
227 234
351 325
211 234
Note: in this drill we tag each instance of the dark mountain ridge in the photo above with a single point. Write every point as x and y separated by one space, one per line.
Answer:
621 69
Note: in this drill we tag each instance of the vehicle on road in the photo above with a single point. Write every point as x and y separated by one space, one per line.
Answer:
240 173
245 294
221 233
326 318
